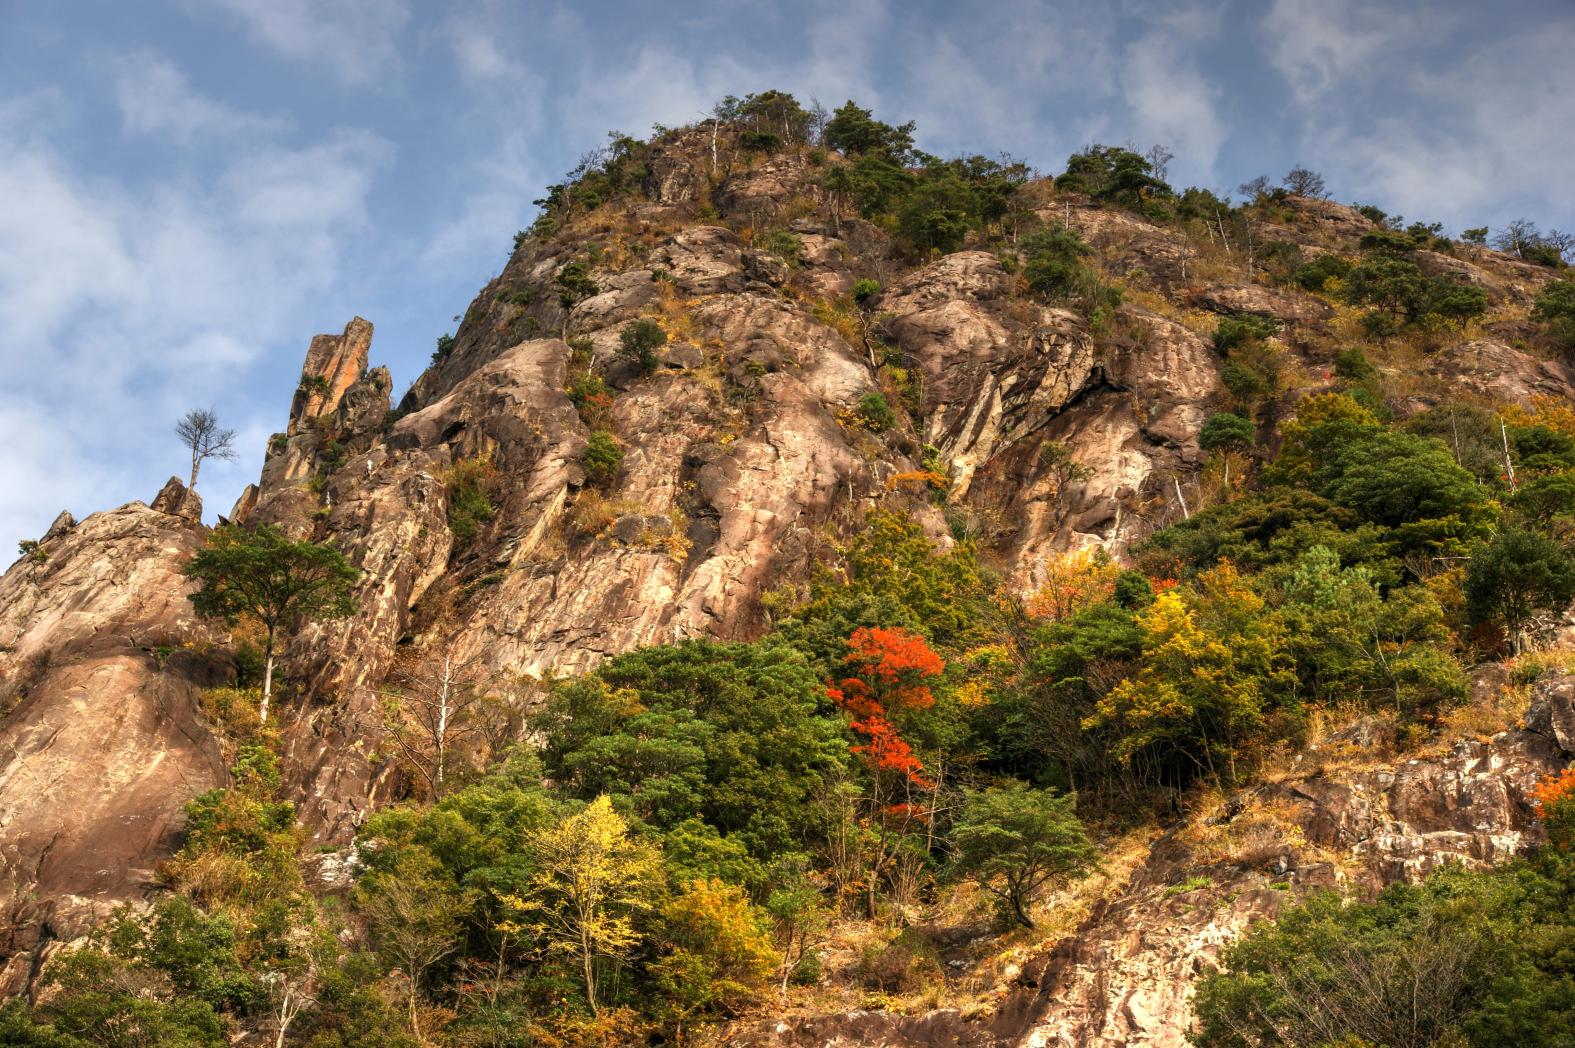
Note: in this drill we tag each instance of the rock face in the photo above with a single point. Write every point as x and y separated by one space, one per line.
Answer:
102 743
1125 976
746 458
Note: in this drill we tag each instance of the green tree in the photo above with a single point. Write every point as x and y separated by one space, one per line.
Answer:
1554 309
1516 576
603 458
638 342
1013 840
854 131
1228 431
278 581
416 916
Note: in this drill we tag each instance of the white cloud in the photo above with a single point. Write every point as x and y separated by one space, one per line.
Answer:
1319 47
1487 141
154 98
1171 101
127 301
358 39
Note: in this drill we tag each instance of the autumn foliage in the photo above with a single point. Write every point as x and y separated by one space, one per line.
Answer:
1555 799
889 669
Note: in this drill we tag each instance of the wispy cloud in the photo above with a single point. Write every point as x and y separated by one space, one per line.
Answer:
357 39
155 98
138 297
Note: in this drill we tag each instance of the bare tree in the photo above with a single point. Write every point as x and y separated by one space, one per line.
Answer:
199 431
1159 158
1256 189
1518 237
432 711
1305 183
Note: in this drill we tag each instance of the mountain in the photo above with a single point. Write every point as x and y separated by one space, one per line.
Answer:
841 335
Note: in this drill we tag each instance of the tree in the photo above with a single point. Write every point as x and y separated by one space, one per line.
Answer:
416 916
265 574
1517 575
1212 660
199 430
1299 181
1228 431
719 950
432 713
1012 840
638 342
592 878
1554 308
854 131
889 673
1404 972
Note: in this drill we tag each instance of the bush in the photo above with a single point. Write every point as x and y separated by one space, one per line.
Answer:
864 290
638 343
470 484
1236 331
445 346
784 245
1053 268
574 284
602 458
876 413
1554 308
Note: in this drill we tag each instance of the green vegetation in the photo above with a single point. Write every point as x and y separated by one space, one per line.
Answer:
638 343
603 458
470 485
666 841
265 575
1462 958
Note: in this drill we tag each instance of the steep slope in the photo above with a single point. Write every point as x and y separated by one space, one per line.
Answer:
746 460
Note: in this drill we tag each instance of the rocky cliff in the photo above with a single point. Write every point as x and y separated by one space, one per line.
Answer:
745 460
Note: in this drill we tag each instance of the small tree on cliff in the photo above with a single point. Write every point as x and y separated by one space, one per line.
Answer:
199 430
279 581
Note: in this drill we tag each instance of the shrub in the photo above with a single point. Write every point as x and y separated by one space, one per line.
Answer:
1236 331
1554 308
784 245
638 343
445 346
602 458
470 483
574 284
876 413
864 290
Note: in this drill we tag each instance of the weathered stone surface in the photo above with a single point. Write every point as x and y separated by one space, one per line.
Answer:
1256 300
177 500
1502 372
1125 976
101 742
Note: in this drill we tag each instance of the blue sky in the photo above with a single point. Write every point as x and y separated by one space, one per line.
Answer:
190 189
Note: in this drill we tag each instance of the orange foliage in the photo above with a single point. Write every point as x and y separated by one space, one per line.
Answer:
1074 580
1554 790
889 669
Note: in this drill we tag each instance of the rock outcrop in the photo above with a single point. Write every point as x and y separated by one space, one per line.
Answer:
102 742
1125 975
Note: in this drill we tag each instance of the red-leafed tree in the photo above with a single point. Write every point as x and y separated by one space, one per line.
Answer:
888 670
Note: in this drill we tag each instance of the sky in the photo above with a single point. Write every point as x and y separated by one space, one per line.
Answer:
190 189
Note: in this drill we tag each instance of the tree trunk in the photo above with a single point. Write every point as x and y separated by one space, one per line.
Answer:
262 714
195 464
1017 908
